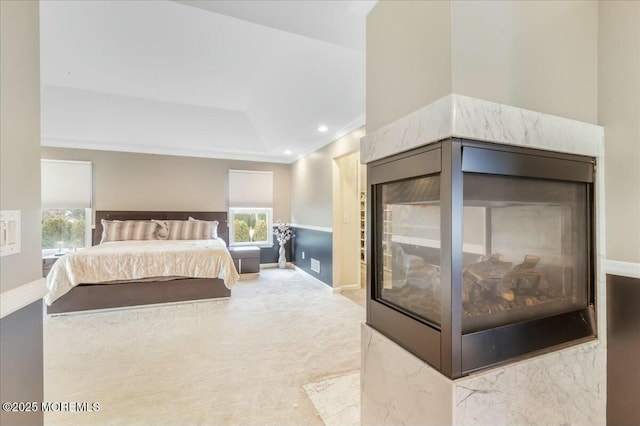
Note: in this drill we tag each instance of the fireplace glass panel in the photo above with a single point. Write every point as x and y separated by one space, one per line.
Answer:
409 247
525 249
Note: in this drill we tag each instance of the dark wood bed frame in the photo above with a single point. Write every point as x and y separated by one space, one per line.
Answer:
86 297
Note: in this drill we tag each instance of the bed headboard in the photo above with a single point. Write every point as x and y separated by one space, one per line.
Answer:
223 229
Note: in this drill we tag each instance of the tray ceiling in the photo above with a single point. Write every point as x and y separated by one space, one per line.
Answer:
243 80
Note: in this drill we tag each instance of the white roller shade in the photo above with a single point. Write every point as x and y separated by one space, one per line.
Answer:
66 184
250 188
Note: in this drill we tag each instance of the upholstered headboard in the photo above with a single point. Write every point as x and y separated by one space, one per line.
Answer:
223 230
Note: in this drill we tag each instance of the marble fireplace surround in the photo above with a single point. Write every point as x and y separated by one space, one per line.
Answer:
564 387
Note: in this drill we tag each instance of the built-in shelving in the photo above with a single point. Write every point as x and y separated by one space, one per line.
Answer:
363 227
363 238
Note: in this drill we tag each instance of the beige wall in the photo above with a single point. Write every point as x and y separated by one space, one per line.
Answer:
619 113
408 58
537 55
129 181
312 181
20 136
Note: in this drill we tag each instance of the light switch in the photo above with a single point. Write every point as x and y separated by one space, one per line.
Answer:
9 232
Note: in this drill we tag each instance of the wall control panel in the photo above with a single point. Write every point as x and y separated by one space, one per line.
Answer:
9 232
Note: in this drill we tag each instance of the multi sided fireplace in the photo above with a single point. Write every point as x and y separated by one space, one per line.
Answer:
480 253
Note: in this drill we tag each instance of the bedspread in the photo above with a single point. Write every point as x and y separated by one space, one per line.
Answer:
135 260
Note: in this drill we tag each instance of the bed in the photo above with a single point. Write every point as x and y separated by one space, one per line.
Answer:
140 279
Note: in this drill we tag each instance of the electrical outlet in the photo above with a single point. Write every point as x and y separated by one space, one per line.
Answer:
303 255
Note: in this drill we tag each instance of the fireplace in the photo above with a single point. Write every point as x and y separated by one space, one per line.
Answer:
481 253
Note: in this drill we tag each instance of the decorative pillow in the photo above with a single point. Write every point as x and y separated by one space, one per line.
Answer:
110 230
163 229
192 229
181 230
138 230
119 230
209 229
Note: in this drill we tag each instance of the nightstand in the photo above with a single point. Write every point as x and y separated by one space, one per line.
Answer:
246 259
47 263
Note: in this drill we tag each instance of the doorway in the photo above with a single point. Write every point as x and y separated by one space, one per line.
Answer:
348 226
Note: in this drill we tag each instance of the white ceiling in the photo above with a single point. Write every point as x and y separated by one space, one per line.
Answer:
227 79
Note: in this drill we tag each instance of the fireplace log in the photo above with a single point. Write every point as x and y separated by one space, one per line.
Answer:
484 280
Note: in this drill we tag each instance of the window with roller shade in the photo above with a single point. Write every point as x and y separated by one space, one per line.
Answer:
250 207
66 205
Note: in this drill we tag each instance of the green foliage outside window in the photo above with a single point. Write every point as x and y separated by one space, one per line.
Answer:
260 233
250 227
240 231
250 218
63 227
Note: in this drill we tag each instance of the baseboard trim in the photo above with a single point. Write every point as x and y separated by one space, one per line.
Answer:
346 288
21 296
274 265
625 269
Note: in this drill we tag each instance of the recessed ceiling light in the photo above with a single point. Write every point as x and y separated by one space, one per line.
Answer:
322 128
287 152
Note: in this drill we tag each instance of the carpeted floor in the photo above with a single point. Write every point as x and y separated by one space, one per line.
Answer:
242 361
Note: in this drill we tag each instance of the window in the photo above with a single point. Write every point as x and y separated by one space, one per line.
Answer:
250 207
64 229
66 205
250 226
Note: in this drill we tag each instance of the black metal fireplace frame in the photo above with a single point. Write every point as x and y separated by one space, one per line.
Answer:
448 350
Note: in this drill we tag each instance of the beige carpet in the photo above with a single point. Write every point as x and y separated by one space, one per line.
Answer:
242 361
